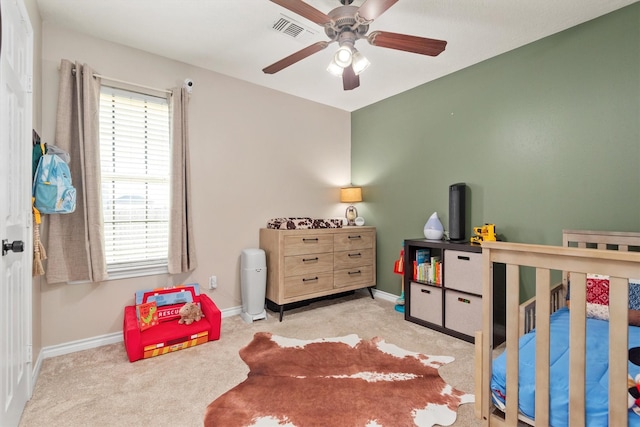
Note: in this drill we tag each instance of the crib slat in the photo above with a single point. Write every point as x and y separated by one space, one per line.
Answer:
577 347
487 334
513 352
477 406
543 313
618 338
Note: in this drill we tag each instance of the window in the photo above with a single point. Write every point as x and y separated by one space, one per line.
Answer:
135 165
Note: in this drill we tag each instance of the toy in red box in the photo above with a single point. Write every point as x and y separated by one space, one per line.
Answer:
169 335
169 300
189 313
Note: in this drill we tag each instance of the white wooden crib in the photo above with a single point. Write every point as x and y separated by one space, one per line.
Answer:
583 252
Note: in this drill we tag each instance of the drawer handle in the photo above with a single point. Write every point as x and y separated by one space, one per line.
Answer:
355 255
310 279
464 300
464 258
355 237
307 240
309 259
355 272
425 291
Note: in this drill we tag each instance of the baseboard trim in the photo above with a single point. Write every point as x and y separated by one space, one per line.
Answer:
79 345
99 341
35 373
385 295
233 311
116 337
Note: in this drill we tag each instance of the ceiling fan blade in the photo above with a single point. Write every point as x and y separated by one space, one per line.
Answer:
371 9
295 57
350 80
305 10
421 45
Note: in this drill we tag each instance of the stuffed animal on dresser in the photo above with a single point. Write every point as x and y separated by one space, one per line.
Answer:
189 313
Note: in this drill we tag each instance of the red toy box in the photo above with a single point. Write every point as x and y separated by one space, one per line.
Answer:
169 335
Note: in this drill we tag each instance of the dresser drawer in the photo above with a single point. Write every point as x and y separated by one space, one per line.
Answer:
354 276
463 271
308 244
306 264
426 303
307 284
356 239
463 312
353 258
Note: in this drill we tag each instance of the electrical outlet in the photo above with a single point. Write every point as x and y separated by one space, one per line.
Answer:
213 282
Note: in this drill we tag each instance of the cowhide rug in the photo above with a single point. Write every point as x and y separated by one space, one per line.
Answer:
343 381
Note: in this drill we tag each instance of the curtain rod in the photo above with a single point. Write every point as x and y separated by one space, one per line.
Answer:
111 79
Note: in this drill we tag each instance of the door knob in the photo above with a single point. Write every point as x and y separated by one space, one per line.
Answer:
15 246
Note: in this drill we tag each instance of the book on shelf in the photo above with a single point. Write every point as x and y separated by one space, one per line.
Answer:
427 268
435 267
422 272
422 265
422 256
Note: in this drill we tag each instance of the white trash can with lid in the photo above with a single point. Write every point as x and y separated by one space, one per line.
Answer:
253 284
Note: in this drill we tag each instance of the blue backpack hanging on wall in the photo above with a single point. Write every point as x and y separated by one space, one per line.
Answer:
52 188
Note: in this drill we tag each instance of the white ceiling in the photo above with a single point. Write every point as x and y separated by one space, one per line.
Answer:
234 37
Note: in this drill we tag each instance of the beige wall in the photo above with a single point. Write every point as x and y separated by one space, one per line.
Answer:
255 154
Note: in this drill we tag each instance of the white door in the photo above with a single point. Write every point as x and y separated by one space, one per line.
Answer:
15 210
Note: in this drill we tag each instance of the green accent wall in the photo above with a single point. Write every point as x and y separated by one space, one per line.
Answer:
546 137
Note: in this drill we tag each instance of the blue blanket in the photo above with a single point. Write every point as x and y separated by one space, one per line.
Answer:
597 374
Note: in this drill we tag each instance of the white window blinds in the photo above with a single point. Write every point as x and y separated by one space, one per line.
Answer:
135 166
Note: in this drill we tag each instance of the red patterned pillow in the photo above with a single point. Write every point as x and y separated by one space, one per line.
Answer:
598 296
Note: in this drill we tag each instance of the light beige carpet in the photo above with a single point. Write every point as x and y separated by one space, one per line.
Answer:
99 387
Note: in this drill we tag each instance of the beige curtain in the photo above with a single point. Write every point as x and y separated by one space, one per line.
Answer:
182 254
76 240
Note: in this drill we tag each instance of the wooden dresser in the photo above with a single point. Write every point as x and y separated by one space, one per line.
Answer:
311 263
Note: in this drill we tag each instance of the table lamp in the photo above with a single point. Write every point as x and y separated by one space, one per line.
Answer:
351 195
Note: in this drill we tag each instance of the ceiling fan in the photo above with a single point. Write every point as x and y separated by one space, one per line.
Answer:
346 24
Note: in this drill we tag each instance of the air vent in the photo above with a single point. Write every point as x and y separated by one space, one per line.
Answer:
288 27
292 28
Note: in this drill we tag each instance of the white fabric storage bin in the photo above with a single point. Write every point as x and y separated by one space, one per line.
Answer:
463 312
463 271
426 303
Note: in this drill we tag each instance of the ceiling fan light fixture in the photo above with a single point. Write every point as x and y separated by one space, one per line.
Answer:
335 69
359 62
346 25
343 56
